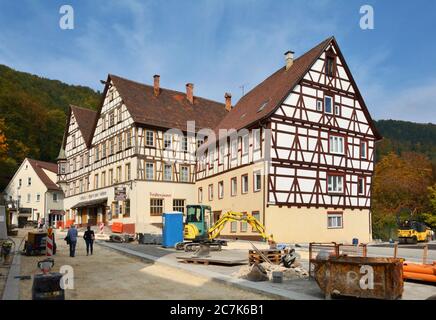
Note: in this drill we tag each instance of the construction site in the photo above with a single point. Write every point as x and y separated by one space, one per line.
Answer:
186 263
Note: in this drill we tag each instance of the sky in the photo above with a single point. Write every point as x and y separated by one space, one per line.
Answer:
224 45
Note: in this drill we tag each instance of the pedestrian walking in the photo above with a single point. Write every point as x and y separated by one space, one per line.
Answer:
71 239
89 237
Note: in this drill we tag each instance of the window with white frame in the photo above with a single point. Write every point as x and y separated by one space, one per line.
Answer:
184 174
184 144
360 185
96 181
129 138
210 192
234 186
120 142
319 105
149 170
335 183
119 174
111 119
244 183
334 220
257 177
179 205
245 144
337 110
256 139
128 172
103 150
120 114
337 144
103 179
168 139
149 138
221 152
112 146
363 149
168 172
328 104
234 148
233 226
220 189
200 195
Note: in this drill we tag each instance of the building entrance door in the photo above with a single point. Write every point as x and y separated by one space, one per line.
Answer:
92 221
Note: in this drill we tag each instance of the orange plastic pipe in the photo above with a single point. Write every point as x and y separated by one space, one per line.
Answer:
420 268
419 276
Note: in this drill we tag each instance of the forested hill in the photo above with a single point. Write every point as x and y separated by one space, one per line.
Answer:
404 136
32 116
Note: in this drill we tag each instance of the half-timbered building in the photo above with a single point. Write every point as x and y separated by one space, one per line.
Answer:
134 158
302 158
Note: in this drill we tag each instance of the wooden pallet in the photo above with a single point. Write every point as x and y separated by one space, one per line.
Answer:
275 256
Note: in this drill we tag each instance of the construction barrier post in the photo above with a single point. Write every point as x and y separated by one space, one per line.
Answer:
101 227
49 242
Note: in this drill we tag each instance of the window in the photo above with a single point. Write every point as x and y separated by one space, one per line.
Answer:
319 105
115 209
221 154
149 138
335 183
38 197
234 186
103 179
82 161
126 208
62 168
88 158
336 144
156 206
330 66
103 122
120 115
119 175
337 110
120 142
200 141
257 177
211 158
244 183
149 170
86 186
256 215
28 197
81 185
128 138
245 144
220 190
19 183
97 153
256 139
328 103
96 181
167 141
128 172
73 137
111 119
334 220
361 185
55 197
112 146
185 144
244 225
200 195
184 174
179 205
233 226
363 149
168 172
111 177
103 150
29 181
234 148
210 192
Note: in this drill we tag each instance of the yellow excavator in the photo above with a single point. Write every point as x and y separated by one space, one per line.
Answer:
199 228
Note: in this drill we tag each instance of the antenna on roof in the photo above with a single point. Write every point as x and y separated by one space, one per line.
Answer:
242 87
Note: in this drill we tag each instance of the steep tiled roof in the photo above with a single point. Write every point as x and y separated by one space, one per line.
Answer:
272 91
170 109
38 166
85 120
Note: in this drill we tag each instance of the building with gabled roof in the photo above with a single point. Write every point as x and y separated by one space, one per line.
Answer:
32 194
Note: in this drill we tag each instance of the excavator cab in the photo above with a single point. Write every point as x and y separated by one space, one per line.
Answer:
198 221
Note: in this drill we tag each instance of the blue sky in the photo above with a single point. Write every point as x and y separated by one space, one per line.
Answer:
220 45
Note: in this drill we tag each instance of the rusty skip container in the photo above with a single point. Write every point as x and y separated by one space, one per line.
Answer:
360 277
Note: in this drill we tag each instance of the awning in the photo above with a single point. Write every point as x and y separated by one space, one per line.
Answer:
57 212
90 203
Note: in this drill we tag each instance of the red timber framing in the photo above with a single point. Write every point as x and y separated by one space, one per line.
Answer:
301 161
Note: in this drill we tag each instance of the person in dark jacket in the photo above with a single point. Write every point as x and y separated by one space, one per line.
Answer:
89 237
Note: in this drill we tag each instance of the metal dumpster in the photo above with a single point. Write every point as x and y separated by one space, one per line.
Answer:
360 277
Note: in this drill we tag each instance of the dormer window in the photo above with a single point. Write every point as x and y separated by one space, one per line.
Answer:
328 104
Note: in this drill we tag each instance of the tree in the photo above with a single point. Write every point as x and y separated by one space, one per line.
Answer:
399 182
3 143
430 217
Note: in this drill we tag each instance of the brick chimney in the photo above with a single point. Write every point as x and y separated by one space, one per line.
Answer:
228 98
289 59
190 92
156 88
